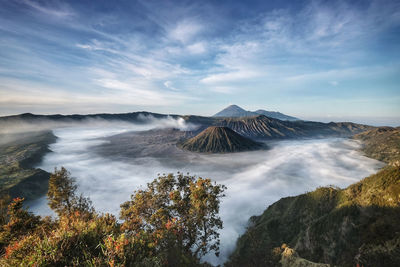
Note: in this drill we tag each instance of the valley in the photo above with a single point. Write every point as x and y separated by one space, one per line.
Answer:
110 163
256 157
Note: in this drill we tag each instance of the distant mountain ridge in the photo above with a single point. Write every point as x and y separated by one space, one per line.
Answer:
262 127
254 127
276 115
216 139
236 111
131 116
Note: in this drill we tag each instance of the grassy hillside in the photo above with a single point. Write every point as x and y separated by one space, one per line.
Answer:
340 227
358 224
382 144
18 154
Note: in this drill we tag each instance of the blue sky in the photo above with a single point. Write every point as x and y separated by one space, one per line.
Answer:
320 60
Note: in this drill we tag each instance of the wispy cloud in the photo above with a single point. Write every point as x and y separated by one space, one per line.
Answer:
51 8
203 50
185 30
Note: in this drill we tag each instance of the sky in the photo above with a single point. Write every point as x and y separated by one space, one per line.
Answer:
316 60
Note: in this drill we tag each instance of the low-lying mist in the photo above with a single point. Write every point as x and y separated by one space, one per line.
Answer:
143 122
254 179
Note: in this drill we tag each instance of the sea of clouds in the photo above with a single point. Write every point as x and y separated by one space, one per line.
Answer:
254 179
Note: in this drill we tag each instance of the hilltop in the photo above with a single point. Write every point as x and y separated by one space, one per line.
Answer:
234 111
216 139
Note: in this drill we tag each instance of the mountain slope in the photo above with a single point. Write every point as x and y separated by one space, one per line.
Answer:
18 155
356 225
382 143
234 111
262 127
258 126
342 227
276 115
219 140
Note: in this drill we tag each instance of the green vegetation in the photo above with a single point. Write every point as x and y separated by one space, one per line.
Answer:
61 195
358 224
172 222
341 227
219 140
18 154
382 144
290 258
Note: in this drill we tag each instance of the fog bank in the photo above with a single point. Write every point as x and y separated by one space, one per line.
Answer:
143 122
254 179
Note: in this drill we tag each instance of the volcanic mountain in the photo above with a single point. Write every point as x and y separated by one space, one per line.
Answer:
217 139
262 127
276 115
236 111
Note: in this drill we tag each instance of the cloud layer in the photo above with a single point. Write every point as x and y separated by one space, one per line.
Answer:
254 179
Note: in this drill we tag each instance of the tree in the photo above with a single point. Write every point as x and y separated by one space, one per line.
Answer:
173 222
178 213
4 201
20 223
62 197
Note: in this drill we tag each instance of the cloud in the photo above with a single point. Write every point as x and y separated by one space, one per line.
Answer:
334 83
197 48
222 89
288 168
343 74
30 96
201 49
59 10
234 76
185 30
169 85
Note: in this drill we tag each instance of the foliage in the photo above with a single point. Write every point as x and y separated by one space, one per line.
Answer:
4 201
382 143
171 223
179 213
62 197
19 223
343 227
19 152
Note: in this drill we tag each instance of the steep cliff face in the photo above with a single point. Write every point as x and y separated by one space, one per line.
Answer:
340 227
219 140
